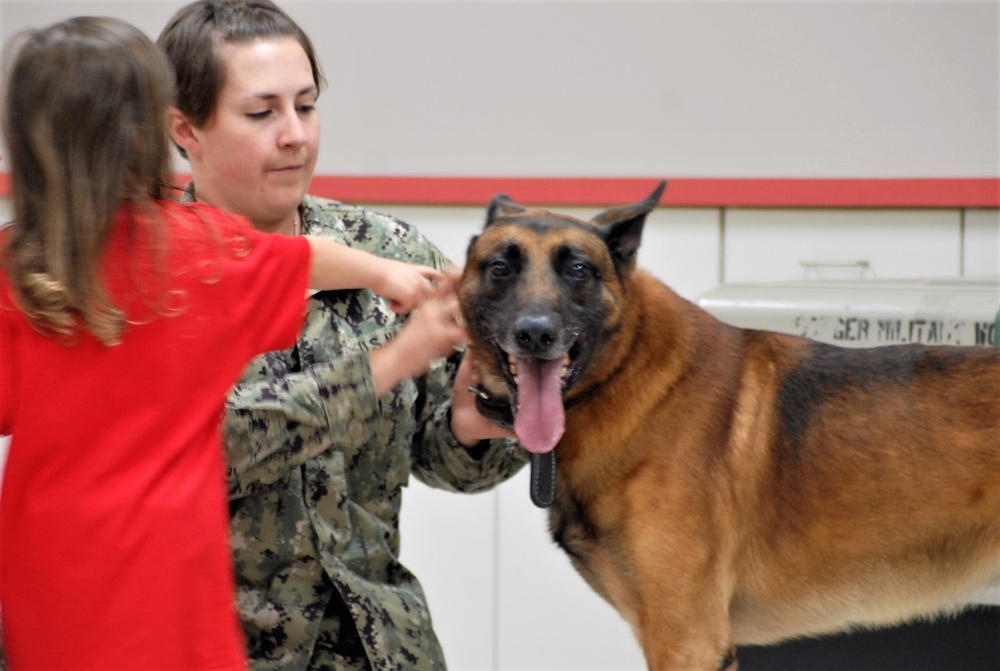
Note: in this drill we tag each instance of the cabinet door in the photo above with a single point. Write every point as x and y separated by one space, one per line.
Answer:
449 543
680 246
549 619
770 245
981 249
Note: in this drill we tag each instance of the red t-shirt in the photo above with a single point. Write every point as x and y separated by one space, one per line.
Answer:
114 546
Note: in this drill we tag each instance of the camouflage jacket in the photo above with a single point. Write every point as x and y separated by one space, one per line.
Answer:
317 466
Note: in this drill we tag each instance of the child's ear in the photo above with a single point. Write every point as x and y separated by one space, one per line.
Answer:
182 133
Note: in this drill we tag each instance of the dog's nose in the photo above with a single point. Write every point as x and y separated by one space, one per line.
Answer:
535 334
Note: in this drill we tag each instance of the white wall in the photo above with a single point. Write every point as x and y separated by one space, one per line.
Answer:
640 88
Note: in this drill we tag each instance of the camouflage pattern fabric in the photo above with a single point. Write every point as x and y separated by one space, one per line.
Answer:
317 467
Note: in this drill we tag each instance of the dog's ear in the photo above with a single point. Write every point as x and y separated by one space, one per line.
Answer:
621 228
472 242
501 205
635 210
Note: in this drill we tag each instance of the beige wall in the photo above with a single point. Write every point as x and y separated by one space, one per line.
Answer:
641 88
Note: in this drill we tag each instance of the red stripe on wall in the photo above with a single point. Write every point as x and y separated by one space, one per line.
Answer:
683 192
688 192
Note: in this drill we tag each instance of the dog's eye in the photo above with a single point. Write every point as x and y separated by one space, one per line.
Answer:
499 269
579 271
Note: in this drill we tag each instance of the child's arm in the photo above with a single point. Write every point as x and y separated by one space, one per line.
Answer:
337 266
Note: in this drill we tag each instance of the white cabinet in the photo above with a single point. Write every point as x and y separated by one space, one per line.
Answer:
774 245
449 542
548 617
981 243
502 595
681 247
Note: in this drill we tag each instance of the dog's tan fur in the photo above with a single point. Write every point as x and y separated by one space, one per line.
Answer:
721 486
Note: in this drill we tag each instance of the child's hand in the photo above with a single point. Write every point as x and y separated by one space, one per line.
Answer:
405 285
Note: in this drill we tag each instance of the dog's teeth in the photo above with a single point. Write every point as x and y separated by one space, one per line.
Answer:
512 366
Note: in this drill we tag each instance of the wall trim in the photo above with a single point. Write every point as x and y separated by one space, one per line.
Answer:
682 192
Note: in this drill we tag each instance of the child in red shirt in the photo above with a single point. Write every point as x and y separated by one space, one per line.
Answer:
124 319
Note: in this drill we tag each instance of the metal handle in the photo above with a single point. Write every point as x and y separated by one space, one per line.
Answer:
835 264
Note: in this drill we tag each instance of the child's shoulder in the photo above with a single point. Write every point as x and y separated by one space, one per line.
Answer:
185 214
199 231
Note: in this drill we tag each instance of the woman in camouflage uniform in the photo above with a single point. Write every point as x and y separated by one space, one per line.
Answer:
321 438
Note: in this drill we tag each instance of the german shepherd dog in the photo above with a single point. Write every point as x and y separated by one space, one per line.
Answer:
722 486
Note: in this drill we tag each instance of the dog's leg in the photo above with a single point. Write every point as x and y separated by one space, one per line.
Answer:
687 630
684 603
688 650
684 589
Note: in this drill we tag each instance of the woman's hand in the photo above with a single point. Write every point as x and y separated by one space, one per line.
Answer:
432 332
468 426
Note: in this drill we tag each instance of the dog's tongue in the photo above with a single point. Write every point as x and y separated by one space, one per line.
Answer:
540 420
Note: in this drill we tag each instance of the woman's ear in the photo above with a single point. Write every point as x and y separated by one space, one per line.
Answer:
182 133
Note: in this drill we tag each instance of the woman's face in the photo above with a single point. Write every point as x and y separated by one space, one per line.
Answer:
256 154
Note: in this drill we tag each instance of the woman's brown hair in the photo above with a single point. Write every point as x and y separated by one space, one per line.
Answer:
85 127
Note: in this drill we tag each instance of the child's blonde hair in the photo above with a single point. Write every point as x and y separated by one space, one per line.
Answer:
85 127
